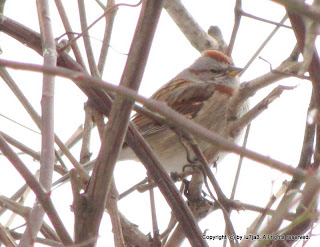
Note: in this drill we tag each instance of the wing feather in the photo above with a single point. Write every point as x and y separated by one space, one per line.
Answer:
184 96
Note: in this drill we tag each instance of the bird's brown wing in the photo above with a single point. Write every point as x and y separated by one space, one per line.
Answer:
185 97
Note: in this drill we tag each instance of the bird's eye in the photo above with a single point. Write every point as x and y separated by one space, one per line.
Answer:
214 71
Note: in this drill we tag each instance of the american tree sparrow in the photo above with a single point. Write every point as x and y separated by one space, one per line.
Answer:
201 93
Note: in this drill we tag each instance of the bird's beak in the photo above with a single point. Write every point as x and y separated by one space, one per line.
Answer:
234 71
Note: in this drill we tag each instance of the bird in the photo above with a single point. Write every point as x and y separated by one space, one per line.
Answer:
201 93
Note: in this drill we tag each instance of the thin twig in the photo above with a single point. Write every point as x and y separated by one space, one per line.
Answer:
265 42
264 20
155 228
222 199
21 125
115 215
21 146
42 195
6 238
44 241
174 118
273 198
47 158
247 89
68 28
239 124
85 153
306 211
36 118
87 224
306 150
87 43
95 22
133 188
299 7
237 176
237 17
107 36
73 139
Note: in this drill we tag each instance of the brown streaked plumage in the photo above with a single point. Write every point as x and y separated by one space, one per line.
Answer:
201 93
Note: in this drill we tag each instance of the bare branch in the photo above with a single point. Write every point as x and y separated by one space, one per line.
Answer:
67 27
88 224
86 38
6 238
198 38
248 89
237 17
238 125
47 158
174 118
41 194
107 36
299 7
